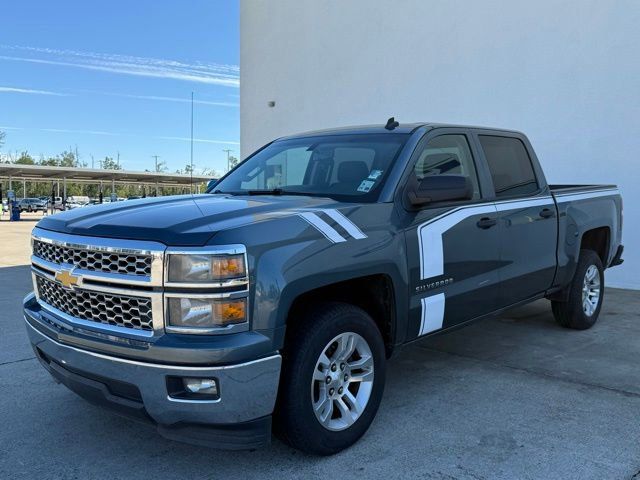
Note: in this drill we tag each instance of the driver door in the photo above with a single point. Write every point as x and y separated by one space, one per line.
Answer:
452 247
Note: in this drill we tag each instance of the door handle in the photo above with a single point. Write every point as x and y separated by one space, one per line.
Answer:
486 222
547 213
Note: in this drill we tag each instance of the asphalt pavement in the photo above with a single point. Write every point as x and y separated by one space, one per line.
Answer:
512 397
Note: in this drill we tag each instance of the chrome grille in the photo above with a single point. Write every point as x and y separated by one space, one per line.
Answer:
123 311
92 260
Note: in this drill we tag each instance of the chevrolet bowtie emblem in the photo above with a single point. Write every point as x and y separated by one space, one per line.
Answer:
66 278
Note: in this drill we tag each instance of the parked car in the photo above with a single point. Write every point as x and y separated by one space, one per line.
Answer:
32 205
211 184
77 201
280 295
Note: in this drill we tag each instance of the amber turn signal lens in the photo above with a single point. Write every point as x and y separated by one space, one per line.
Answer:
206 313
232 311
228 267
205 268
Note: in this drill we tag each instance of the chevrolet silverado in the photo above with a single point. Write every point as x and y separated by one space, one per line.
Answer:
272 302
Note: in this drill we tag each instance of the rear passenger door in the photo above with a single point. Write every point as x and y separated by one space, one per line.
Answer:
527 223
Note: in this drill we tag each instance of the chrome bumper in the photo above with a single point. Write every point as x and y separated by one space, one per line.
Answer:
247 390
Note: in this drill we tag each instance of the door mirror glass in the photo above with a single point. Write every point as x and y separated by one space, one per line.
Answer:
440 188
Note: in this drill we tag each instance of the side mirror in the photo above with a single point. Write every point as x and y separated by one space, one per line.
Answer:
440 188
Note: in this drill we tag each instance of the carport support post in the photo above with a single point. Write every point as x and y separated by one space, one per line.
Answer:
113 186
156 188
64 193
24 188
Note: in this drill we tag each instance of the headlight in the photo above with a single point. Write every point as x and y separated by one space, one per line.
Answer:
206 268
206 289
202 313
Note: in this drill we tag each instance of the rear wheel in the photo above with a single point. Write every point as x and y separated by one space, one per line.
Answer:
585 294
332 379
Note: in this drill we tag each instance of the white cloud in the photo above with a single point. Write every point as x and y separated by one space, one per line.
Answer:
200 140
200 72
170 99
121 134
30 91
86 132
122 95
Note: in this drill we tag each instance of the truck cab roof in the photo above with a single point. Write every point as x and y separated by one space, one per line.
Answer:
403 128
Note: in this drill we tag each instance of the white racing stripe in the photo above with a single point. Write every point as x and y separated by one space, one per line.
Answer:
351 228
323 227
516 204
432 313
570 197
430 233
431 247
430 237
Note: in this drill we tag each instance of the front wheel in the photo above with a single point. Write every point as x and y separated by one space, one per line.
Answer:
585 294
332 379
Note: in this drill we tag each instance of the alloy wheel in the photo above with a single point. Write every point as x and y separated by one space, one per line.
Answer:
342 381
591 290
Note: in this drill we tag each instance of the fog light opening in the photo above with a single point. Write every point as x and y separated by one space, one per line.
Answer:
201 386
193 388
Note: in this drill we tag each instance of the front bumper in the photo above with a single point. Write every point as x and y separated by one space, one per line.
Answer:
239 418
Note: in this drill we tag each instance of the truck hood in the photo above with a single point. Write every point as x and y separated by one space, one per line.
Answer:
177 220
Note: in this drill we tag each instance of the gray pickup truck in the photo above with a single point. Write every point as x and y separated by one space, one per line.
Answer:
273 301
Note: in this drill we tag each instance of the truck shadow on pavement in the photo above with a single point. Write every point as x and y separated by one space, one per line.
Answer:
499 399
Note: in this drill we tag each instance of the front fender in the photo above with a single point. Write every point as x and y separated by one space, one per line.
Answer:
288 258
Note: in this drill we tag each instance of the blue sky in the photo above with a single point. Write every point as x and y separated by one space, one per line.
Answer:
117 76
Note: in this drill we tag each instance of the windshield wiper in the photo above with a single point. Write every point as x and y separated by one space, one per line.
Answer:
273 191
218 191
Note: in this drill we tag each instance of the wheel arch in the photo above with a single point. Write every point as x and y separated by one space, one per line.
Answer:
375 293
598 240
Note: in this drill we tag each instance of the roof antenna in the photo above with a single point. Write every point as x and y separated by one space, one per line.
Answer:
391 124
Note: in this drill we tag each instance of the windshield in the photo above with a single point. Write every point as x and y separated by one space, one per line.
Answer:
344 167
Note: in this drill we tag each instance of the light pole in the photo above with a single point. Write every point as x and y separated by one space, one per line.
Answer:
191 153
228 150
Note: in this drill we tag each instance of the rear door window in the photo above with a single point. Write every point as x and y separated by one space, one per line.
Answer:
510 165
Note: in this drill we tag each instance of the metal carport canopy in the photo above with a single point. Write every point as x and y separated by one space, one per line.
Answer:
91 175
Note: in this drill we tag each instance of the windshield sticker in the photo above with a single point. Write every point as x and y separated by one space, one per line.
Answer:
375 174
366 186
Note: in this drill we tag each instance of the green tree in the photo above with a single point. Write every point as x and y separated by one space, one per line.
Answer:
68 159
49 162
3 135
233 161
25 159
110 164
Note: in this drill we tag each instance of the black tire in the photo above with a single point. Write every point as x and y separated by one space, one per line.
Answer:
295 420
570 313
